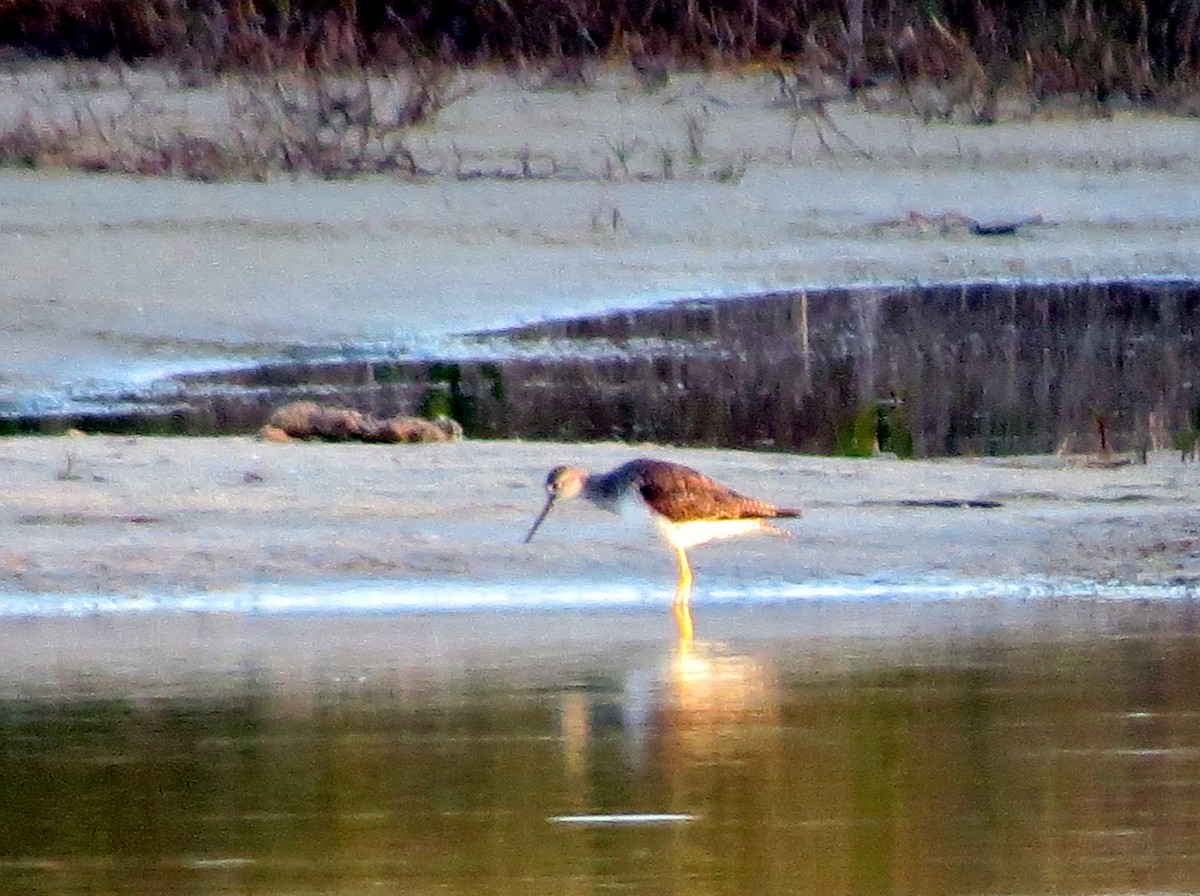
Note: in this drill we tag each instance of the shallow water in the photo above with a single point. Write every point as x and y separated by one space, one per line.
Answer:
1003 745
853 370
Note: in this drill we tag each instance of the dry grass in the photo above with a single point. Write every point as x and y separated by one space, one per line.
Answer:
1077 44
310 121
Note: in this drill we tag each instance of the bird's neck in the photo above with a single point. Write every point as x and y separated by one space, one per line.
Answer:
600 491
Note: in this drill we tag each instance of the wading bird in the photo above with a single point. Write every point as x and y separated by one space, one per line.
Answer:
687 507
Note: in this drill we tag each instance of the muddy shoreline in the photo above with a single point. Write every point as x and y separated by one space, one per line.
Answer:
177 517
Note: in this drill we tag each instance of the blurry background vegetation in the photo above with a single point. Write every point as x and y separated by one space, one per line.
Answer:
1100 46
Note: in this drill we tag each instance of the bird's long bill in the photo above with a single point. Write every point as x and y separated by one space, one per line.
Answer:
541 516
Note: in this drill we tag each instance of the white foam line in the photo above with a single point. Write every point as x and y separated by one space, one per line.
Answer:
448 596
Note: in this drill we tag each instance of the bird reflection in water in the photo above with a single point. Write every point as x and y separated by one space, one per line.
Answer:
698 704
683 622
710 697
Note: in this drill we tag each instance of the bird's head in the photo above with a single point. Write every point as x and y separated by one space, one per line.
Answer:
561 483
565 482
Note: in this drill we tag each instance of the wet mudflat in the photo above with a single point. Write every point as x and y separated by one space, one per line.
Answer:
941 747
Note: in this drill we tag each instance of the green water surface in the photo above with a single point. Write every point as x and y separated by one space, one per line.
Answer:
951 764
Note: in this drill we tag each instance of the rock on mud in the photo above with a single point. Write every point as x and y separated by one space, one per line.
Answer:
309 420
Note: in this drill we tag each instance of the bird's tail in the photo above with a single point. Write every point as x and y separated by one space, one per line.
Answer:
775 530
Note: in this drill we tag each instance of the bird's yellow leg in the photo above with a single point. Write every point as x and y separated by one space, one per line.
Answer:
683 600
683 590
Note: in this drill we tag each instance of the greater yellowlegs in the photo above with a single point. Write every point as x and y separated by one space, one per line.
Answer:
688 507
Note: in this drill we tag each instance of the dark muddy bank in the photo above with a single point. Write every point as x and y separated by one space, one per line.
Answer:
980 368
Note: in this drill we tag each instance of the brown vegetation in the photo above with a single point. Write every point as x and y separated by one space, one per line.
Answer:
1097 46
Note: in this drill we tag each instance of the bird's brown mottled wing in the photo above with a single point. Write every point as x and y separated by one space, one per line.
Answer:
680 493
